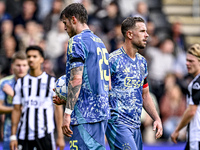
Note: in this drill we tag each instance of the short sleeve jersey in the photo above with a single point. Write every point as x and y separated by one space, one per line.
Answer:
10 80
87 50
35 94
127 78
193 98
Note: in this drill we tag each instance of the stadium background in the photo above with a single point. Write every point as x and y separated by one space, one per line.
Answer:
24 23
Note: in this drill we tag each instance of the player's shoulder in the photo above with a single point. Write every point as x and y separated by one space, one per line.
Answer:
115 54
196 82
45 74
140 57
89 36
6 79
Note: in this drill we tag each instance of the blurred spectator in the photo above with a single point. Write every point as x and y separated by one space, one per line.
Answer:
128 6
172 107
180 50
3 14
9 48
44 7
178 37
32 36
141 11
7 30
53 17
117 40
91 9
112 18
60 63
48 66
153 39
160 61
13 7
28 13
55 42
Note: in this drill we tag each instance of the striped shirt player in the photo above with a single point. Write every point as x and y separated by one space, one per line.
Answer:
193 98
37 119
86 49
191 116
128 78
7 100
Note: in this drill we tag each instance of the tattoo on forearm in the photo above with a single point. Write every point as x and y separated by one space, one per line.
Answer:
74 87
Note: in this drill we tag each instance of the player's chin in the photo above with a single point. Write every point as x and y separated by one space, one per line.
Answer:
142 46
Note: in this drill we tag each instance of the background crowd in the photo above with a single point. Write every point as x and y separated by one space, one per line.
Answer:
36 22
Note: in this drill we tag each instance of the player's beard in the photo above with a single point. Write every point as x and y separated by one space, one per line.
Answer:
139 46
73 32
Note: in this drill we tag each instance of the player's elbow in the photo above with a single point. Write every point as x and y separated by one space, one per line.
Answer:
192 113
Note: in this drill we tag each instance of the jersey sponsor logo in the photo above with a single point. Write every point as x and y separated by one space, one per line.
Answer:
43 85
196 86
132 82
31 103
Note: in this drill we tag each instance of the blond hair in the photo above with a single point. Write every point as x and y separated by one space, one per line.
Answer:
19 55
194 50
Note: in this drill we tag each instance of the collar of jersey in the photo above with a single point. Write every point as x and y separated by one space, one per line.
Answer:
122 49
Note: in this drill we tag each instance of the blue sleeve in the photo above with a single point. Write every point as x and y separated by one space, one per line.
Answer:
2 93
76 52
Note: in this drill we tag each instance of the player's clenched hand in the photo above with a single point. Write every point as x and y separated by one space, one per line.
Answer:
57 100
66 125
13 145
174 136
60 142
158 125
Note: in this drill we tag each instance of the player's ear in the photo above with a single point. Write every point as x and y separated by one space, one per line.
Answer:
42 60
74 20
129 34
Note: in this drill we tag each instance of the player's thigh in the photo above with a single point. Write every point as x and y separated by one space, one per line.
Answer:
89 136
121 137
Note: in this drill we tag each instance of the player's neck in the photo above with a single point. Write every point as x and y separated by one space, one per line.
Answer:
130 51
82 27
35 72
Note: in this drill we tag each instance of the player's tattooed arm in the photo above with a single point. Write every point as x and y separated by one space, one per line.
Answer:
74 86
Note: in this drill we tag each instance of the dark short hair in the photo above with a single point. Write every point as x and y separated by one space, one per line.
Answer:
129 23
77 10
18 55
37 48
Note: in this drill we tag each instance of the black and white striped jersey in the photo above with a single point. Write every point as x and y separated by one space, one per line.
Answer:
193 98
35 95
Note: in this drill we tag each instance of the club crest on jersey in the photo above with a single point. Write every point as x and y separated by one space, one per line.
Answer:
126 146
196 86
